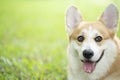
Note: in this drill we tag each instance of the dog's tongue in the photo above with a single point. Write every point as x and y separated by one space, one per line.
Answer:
89 67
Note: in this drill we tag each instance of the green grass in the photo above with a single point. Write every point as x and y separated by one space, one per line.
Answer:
33 40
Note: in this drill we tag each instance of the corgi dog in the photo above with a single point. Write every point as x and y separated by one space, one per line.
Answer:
94 49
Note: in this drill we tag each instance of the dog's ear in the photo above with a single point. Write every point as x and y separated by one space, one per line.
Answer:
73 18
110 17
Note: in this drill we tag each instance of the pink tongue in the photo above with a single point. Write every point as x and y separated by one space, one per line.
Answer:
89 67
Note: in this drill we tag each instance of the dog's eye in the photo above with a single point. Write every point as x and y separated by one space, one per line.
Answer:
80 38
98 39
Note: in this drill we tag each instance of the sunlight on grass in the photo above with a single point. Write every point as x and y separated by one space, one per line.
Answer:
33 38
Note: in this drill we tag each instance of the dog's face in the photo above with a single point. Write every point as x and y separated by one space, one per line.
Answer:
91 39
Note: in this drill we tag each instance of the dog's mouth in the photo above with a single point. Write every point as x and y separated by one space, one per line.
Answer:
89 66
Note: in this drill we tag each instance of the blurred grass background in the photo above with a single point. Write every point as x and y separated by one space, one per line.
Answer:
33 40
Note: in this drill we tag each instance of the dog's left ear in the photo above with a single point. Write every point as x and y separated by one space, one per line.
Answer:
110 17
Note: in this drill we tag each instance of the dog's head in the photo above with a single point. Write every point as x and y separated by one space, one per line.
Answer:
92 39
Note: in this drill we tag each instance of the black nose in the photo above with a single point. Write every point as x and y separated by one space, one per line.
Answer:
88 54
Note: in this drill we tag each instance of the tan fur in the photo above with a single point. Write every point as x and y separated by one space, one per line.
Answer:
105 32
97 25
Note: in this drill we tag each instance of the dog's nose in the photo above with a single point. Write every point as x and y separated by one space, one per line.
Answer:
88 53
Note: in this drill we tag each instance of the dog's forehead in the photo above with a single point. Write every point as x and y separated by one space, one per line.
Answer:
90 26
90 29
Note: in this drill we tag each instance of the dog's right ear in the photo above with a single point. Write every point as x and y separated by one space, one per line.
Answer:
73 18
110 17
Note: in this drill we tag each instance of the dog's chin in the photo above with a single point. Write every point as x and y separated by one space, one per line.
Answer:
89 65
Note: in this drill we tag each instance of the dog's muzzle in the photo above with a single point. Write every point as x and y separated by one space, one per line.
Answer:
89 65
